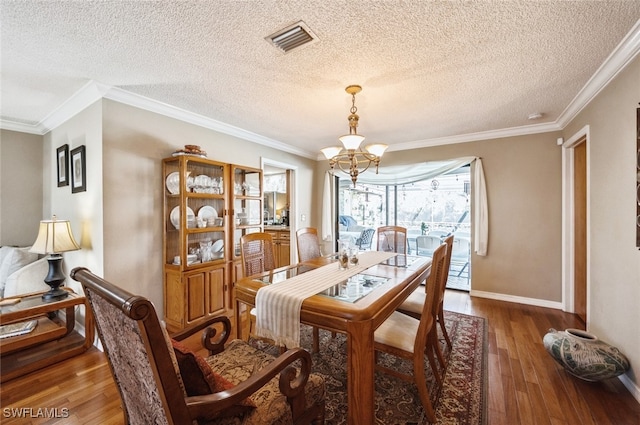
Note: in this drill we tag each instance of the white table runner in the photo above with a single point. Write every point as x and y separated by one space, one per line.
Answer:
278 305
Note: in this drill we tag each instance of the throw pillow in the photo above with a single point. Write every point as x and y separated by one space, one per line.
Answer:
200 379
14 259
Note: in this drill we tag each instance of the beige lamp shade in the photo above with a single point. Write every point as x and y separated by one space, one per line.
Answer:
54 236
376 149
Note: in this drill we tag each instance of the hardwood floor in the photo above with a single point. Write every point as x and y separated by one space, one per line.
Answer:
525 385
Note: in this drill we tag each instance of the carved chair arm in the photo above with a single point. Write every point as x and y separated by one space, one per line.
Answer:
214 346
291 386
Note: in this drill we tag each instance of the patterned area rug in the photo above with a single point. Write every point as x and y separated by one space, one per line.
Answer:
460 401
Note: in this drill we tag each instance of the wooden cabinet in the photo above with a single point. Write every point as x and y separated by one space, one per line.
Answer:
281 245
208 206
196 232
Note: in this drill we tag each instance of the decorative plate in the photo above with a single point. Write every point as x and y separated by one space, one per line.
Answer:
217 246
173 183
207 212
175 216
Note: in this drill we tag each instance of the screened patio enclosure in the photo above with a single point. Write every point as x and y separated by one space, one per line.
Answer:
431 208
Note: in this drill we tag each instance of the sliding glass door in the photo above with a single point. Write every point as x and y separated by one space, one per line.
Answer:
434 207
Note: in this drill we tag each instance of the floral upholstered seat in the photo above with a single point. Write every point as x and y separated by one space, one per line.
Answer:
238 384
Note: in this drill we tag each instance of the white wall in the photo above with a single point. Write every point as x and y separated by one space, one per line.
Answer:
524 186
614 261
135 141
83 209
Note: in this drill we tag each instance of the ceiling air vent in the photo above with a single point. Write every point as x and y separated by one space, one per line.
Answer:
292 37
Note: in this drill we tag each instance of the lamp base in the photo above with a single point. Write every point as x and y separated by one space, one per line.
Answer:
55 278
55 295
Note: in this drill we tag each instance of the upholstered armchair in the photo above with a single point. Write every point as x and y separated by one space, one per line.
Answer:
161 381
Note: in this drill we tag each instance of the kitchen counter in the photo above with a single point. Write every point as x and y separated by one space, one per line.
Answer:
276 227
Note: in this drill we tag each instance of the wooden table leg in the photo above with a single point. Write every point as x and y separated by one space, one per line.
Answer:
238 320
360 373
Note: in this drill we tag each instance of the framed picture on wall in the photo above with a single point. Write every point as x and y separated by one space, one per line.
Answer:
62 155
78 170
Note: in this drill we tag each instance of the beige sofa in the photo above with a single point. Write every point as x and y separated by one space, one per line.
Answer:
21 271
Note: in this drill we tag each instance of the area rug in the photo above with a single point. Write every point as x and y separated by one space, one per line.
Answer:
461 400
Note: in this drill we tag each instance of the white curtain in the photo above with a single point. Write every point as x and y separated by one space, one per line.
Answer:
399 175
327 209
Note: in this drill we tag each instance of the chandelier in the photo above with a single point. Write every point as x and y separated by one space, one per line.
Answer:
350 158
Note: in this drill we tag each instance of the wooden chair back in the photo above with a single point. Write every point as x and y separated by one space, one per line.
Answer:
307 243
430 307
257 253
136 347
392 239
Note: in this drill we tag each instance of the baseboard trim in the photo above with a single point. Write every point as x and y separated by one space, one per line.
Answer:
516 299
631 386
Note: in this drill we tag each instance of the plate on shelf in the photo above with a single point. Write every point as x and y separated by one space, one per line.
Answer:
207 212
175 216
217 246
173 183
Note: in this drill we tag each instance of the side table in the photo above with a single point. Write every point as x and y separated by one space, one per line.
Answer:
54 338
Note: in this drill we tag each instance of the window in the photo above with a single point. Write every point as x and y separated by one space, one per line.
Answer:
439 206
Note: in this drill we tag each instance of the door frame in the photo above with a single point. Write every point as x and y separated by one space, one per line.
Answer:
293 200
568 209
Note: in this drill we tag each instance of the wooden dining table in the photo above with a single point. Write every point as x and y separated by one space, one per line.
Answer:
358 318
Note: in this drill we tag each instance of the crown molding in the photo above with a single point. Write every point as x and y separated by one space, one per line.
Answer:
142 102
624 53
474 137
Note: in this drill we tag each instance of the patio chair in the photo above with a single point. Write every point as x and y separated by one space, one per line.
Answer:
366 238
426 244
392 239
460 255
162 382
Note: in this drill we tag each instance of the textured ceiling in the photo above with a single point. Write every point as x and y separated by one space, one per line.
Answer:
429 70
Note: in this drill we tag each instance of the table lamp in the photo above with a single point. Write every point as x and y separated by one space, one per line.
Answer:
53 238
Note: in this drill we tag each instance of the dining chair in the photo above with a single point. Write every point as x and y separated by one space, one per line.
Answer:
392 239
365 239
413 305
162 381
410 338
308 243
256 250
309 248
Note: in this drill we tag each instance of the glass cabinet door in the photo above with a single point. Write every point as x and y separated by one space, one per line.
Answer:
247 204
195 211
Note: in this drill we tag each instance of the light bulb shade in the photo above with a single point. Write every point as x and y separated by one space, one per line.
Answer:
332 151
376 149
351 141
54 236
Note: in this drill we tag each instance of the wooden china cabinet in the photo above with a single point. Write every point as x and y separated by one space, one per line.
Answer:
247 208
208 205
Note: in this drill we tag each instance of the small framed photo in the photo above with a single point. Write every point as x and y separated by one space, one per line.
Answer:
63 165
78 171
